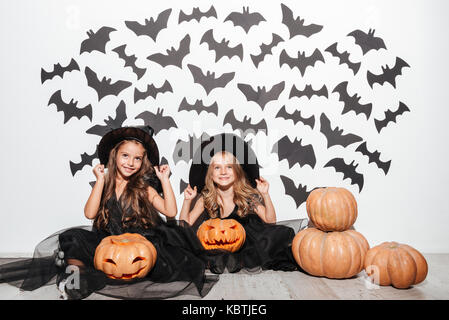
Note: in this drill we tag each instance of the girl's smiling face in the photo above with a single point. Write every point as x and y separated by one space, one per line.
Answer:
223 169
129 158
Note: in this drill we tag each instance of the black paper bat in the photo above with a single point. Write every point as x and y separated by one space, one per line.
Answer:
374 157
208 80
86 160
343 57
266 49
182 186
222 48
245 126
348 171
308 92
296 25
152 91
299 194
110 123
351 103
69 109
157 121
336 136
261 96
130 61
301 62
96 40
184 150
198 107
295 152
151 28
245 19
173 57
58 70
367 41
296 116
388 74
390 116
197 15
104 87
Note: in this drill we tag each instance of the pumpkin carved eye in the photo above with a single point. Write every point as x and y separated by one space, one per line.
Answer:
233 227
110 261
138 259
210 227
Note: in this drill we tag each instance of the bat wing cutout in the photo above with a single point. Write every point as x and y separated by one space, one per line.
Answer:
261 96
299 194
104 87
351 103
296 26
266 49
110 123
294 152
336 136
182 186
69 109
86 160
197 14
367 41
302 62
198 107
157 120
173 57
152 91
245 126
295 117
390 116
208 80
374 157
388 74
343 58
150 28
244 19
130 61
348 170
96 40
222 49
58 70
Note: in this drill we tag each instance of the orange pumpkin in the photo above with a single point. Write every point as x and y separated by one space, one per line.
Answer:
396 264
336 255
225 234
332 209
125 256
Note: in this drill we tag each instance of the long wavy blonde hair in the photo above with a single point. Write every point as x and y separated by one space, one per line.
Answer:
137 209
245 196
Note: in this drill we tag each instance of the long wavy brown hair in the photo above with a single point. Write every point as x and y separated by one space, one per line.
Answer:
137 209
245 196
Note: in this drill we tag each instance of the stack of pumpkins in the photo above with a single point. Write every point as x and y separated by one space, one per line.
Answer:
333 250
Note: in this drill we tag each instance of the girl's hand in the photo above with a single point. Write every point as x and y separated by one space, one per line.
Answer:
162 172
98 171
262 186
190 193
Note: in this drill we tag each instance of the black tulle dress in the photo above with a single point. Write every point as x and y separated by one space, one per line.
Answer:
267 245
179 269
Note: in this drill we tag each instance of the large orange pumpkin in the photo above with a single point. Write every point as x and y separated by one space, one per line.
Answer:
331 209
396 264
125 256
336 255
225 234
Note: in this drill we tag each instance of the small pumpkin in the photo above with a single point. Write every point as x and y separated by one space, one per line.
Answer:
396 264
336 255
225 234
125 256
331 208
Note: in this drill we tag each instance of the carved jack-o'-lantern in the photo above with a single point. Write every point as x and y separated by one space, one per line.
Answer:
226 234
125 256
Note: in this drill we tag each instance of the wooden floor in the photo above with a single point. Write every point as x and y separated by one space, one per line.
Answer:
279 285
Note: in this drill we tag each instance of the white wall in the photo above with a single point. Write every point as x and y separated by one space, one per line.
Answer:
39 196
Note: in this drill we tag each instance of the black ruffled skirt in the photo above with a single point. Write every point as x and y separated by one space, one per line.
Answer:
178 269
